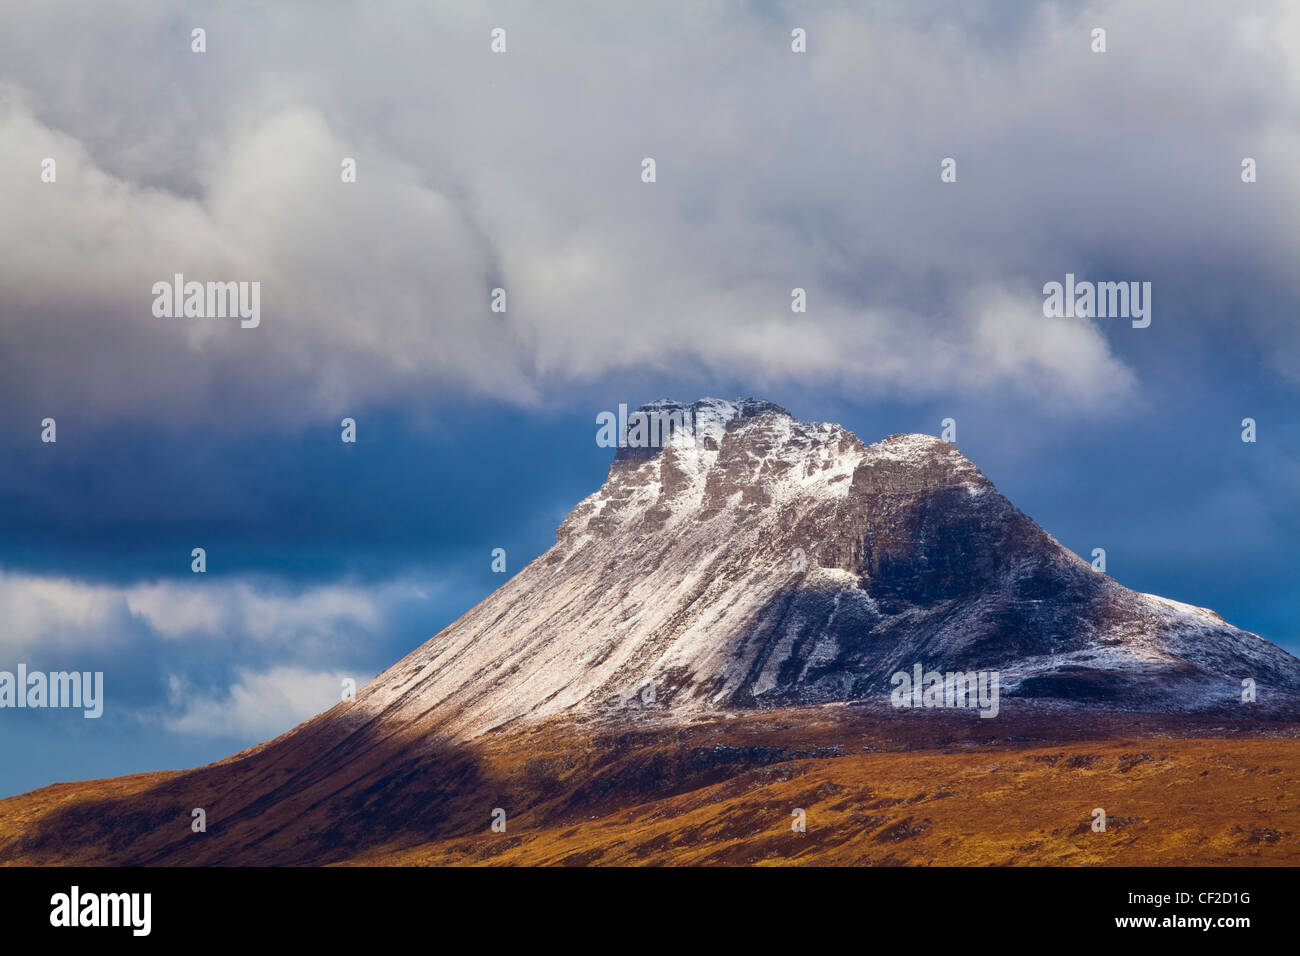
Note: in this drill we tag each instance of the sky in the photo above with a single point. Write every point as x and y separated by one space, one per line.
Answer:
523 170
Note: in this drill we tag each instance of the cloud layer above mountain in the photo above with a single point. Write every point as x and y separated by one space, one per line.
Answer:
522 170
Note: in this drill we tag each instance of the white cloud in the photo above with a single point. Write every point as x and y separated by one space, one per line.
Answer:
50 612
257 706
43 612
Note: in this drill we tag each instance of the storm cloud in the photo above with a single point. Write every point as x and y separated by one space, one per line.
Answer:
522 171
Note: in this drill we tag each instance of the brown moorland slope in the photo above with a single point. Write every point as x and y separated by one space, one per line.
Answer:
876 789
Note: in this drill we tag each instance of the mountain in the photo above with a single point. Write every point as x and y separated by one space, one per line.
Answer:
683 652
756 561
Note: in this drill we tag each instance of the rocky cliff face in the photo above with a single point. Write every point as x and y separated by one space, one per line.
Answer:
753 560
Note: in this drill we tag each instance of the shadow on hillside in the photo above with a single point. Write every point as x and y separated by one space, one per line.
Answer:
302 799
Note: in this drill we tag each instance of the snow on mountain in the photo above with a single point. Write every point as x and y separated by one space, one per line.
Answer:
758 561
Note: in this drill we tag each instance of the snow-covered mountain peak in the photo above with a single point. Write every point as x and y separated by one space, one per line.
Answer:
754 560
